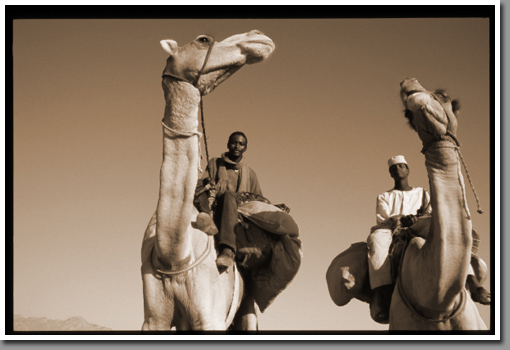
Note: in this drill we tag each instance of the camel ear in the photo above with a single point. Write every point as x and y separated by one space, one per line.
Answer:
456 107
409 115
169 46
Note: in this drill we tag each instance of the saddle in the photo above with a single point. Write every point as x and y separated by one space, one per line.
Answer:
268 248
347 275
257 229
254 245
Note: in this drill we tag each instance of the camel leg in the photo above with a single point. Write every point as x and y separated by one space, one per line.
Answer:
206 311
246 318
181 322
158 309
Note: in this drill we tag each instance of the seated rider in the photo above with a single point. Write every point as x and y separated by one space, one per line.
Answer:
407 201
401 200
224 177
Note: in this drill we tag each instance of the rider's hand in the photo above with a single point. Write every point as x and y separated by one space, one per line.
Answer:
408 220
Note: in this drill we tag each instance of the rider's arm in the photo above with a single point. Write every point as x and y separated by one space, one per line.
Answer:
382 210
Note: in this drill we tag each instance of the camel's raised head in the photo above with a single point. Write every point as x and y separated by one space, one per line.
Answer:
432 114
206 63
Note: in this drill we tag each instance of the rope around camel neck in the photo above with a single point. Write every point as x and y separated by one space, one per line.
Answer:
194 84
196 263
188 134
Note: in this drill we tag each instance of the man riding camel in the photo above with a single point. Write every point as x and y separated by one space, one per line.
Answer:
216 193
402 199
407 203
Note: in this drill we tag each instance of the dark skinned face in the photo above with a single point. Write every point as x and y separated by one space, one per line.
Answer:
399 171
236 147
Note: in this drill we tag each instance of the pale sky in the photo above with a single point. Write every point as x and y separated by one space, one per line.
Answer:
322 116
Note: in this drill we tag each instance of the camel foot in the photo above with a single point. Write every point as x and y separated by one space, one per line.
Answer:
482 296
205 223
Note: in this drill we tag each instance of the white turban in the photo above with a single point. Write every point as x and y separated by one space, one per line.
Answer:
396 160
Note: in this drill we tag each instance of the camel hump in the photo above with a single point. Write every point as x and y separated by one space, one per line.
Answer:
347 275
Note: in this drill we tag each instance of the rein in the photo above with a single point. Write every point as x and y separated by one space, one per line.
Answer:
456 146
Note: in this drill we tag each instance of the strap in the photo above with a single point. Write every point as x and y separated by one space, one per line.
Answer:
181 133
199 73
196 263
235 296
424 203
187 134
432 315
205 62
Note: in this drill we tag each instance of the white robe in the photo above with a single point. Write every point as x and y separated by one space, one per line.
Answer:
390 203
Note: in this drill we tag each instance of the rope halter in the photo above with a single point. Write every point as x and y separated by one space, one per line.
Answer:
194 84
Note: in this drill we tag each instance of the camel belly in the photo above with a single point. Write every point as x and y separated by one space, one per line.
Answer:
404 317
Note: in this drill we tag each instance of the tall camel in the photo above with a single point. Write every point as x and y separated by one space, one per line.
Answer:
182 287
430 293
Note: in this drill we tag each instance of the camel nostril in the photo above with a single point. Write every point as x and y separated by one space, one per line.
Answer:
256 31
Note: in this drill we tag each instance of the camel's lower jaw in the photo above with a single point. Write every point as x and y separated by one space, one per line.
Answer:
412 92
215 78
255 59
260 54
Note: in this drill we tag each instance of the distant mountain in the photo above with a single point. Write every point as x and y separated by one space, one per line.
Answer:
43 324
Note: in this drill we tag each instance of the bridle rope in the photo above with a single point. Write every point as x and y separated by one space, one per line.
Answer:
456 144
479 209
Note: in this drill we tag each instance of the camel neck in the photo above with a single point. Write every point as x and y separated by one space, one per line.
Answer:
450 237
182 101
178 175
444 170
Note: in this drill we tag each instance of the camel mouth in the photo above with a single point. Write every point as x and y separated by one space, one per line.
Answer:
269 43
410 86
224 70
257 50
412 92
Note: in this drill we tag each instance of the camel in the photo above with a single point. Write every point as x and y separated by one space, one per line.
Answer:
182 287
430 293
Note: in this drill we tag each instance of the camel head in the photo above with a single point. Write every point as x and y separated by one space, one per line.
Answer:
432 114
225 57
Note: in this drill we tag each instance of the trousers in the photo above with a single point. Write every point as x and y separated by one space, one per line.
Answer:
379 268
225 218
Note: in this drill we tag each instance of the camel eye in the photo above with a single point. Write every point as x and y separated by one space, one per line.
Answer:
203 39
442 93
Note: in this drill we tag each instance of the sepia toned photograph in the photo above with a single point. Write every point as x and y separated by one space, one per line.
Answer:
291 171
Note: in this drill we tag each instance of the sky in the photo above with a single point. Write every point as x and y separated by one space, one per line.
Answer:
322 116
